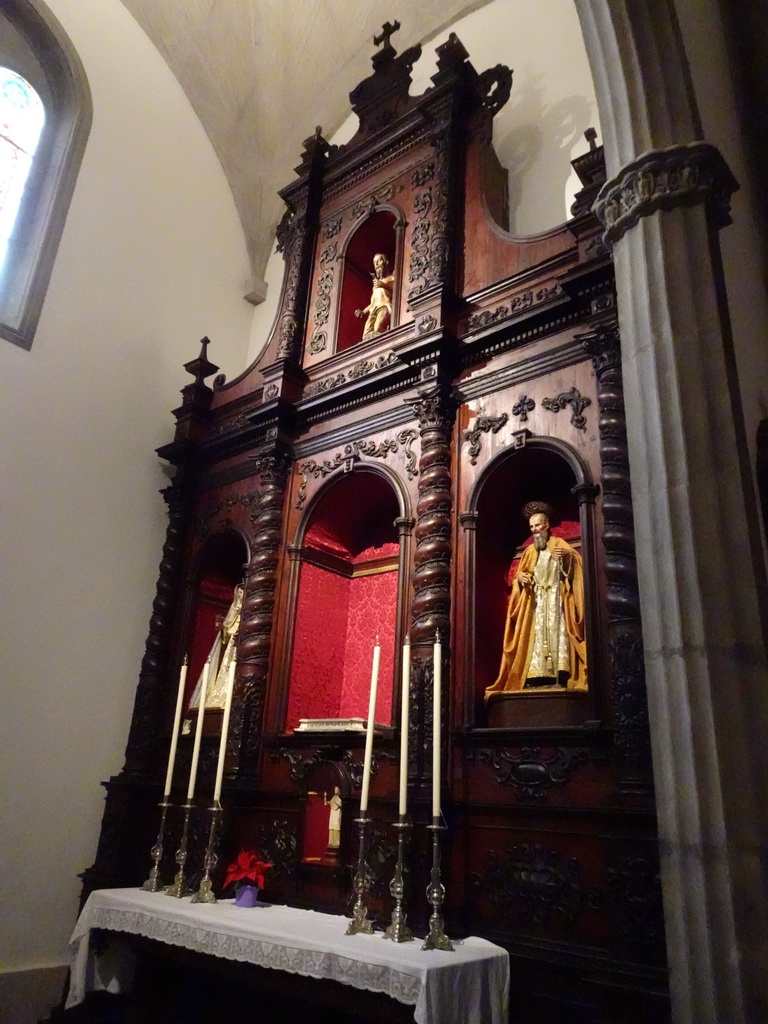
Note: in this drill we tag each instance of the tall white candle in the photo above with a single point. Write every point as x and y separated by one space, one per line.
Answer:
436 705
224 730
175 733
369 730
199 729
404 716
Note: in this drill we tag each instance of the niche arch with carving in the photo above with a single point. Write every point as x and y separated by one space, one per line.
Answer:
547 470
219 567
348 573
381 231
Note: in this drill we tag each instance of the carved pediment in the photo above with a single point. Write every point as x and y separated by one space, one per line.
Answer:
381 97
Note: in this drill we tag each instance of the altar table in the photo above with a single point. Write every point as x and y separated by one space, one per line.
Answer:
467 986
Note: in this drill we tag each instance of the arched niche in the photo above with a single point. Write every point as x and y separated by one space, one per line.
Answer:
378 233
323 780
348 591
548 471
219 569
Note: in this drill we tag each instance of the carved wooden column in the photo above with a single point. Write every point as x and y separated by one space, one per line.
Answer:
154 689
296 239
431 607
629 702
254 640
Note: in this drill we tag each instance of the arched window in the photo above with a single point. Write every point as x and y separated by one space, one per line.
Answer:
45 117
21 120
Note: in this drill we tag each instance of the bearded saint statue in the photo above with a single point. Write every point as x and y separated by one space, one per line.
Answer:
544 636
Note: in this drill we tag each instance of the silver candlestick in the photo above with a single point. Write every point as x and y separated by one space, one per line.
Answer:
153 883
360 921
205 893
398 930
180 887
436 937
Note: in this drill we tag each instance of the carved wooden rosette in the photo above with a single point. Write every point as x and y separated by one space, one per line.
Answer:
431 606
254 638
627 669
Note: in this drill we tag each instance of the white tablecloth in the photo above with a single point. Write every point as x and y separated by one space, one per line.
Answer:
467 986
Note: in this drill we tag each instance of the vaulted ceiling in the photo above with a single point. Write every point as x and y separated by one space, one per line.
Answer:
261 74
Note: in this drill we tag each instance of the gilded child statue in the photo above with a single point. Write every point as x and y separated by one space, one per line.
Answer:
379 309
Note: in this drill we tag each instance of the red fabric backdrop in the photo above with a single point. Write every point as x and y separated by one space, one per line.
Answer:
372 605
315 827
337 620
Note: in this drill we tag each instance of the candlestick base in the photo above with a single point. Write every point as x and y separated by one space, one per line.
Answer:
205 893
398 930
360 922
180 887
153 883
436 937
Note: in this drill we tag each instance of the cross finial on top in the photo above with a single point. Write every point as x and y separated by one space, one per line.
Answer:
388 29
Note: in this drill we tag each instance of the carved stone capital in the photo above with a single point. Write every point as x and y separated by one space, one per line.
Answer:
661 180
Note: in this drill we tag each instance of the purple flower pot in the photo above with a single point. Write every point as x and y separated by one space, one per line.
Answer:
247 896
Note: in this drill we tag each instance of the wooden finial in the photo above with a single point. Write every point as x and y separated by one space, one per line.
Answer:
387 30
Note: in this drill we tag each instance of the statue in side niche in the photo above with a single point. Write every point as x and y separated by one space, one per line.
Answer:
334 818
221 654
544 645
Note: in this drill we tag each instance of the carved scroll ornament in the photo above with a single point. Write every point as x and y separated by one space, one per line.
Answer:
577 402
483 425
351 452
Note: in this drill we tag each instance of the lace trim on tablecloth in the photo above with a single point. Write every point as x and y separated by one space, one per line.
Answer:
311 963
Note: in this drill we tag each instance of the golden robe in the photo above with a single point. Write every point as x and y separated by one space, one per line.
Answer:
379 309
221 655
564 598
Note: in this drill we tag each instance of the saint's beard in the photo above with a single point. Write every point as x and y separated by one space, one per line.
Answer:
540 541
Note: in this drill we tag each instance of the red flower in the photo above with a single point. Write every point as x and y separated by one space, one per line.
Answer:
247 866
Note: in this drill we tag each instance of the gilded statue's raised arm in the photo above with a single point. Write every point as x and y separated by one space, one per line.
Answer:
379 309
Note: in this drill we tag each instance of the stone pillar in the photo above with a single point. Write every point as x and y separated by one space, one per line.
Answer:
693 509
699 573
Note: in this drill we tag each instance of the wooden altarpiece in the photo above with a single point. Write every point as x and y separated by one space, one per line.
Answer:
364 487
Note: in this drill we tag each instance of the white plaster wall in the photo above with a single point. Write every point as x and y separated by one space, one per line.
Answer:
152 258
536 135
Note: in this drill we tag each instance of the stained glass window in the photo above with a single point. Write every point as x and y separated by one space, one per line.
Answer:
21 120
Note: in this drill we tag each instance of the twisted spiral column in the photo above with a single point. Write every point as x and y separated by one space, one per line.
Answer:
625 636
255 635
